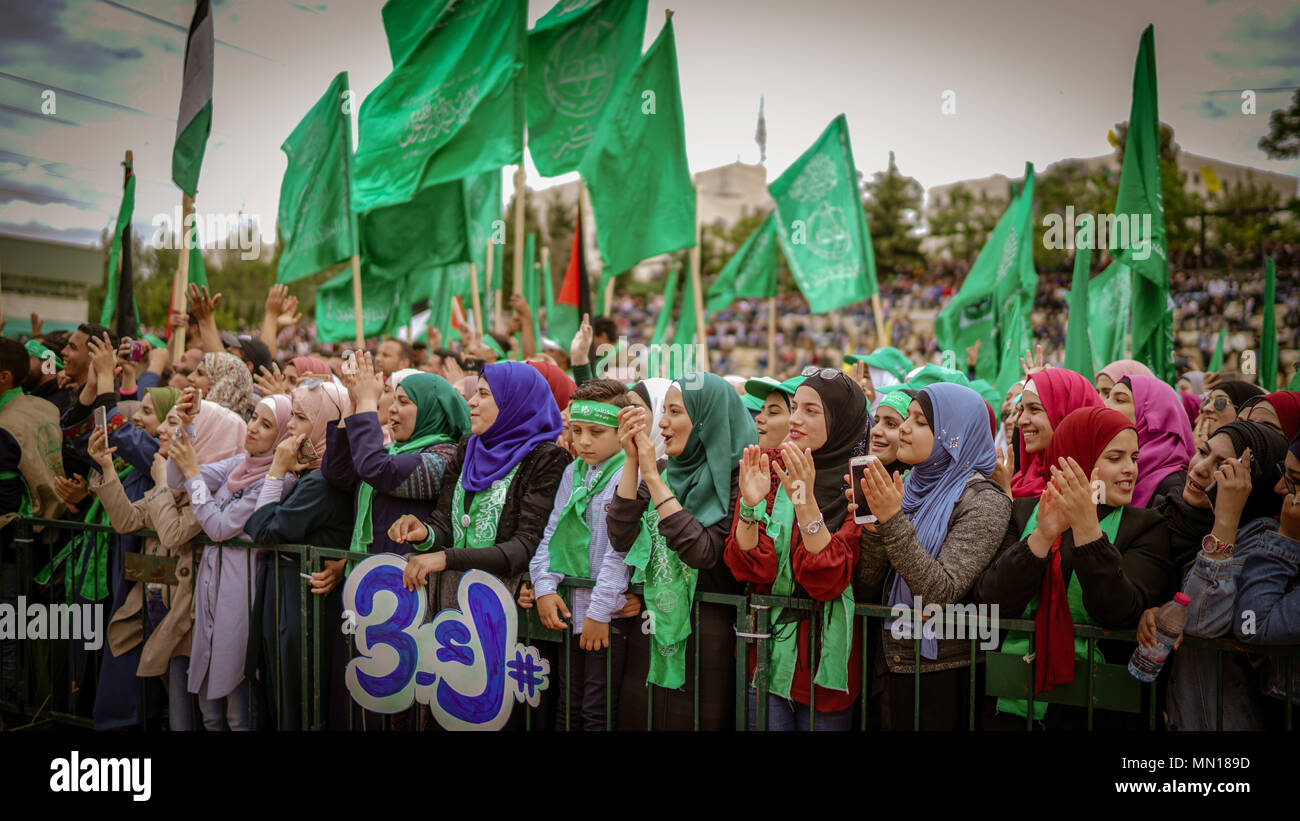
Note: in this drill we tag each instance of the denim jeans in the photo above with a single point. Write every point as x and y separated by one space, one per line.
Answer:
233 708
1267 593
179 718
784 715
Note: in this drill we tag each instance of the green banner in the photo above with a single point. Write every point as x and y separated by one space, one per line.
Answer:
381 307
822 226
994 302
315 224
1078 349
452 108
578 53
1110 308
751 272
636 169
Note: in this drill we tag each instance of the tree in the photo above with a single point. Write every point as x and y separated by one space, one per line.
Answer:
893 205
963 222
1070 184
1282 142
1237 236
1182 205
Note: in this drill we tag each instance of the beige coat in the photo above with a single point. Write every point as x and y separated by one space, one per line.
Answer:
174 522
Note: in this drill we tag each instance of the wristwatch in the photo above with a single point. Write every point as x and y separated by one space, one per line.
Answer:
1214 546
813 527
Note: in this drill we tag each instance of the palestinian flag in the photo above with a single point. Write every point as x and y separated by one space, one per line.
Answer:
195 118
119 309
574 299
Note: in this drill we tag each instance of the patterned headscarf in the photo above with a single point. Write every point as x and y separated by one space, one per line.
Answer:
232 384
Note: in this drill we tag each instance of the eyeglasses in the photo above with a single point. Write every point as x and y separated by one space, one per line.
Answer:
1218 404
1290 483
824 373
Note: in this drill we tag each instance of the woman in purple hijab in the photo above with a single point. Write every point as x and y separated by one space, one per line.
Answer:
1165 441
507 471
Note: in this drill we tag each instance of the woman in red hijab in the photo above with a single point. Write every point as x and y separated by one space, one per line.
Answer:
1048 396
562 387
1078 554
1279 410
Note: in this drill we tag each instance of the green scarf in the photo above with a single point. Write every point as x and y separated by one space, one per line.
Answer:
484 513
91 564
570 541
720 430
669 591
1017 642
837 617
441 415
8 395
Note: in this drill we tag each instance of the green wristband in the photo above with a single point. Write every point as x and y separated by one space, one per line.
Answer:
757 513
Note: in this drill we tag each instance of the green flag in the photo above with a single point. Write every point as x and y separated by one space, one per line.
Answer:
1078 349
1110 306
636 168
751 272
483 210
116 253
197 273
666 312
1216 361
531 285
453 107
1268 333
315 221
380 313
439 287
578 53
1141 201
548 291
822 226
406 22
994 302
194 120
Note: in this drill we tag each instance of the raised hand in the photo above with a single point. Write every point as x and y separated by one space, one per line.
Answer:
434 335
158 470
1032 362
99 450
1077 506
188 406
755 476
862 376
370 385
182 453
581 343
1233 482
202 304
1003 472
270 382
1051 522
631 421
37 325
102 355
282 307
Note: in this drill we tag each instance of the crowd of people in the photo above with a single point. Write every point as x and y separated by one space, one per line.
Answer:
1071 499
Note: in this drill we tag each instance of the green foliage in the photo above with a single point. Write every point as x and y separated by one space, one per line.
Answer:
893 205
963 222
1282 142
1069 183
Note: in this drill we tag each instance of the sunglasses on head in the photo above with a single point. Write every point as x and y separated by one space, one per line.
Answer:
824 373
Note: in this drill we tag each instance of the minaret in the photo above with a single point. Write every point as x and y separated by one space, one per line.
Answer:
760 135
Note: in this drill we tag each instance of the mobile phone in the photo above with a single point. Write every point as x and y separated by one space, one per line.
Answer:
858 470
474 364
101 422
307 451
137 351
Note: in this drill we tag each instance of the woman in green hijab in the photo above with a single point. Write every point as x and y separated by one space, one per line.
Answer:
426 422
672 517
153 410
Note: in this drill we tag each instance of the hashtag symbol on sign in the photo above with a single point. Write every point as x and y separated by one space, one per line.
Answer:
525 671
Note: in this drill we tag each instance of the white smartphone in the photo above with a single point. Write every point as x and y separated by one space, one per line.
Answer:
101 422
857 470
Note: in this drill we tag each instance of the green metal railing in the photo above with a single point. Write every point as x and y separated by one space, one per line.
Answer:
1097 685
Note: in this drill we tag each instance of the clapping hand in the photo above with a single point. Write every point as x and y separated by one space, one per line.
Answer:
755 480
71 491
884 495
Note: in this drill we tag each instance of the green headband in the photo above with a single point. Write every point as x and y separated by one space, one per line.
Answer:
597 413
39 351
492 343
897 400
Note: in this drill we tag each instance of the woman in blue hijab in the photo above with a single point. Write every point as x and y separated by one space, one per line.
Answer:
936 532
507 471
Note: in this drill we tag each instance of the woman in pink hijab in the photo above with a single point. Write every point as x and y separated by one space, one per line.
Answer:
1117 370
223 495
1165 441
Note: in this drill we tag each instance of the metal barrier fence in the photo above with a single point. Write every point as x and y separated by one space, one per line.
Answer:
1097 686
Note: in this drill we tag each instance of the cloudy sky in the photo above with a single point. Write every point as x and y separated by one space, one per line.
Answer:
1034 80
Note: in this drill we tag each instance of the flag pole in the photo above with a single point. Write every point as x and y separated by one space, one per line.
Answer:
771 335
609 295
473 289
701 334
356 301
181 283
882 336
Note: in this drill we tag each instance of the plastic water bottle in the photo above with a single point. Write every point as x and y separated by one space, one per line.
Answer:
1146 662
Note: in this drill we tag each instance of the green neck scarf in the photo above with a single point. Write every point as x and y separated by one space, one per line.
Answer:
570 542
441 415
484 513
8 395
91 547
1017 642
837 617
720 430
669 590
